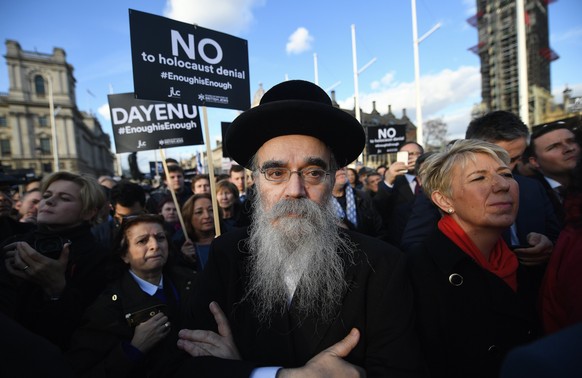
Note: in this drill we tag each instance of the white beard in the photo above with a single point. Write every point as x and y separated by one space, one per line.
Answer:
305 251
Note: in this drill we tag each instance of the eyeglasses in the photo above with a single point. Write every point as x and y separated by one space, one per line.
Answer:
312 176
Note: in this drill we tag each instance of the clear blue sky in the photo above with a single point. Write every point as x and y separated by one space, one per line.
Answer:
283 36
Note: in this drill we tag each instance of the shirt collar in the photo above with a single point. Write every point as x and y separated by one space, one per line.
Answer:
553 183
410 178
145 286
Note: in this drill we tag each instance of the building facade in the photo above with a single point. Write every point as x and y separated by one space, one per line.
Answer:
26 123
497 49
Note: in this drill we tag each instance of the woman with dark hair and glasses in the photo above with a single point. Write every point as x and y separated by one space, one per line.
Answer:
132 328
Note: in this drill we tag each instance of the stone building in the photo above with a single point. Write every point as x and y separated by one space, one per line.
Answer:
26 122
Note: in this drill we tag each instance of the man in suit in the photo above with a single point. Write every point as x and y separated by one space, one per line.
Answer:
396 193
238 178
301 296
536 226
354 207
554 153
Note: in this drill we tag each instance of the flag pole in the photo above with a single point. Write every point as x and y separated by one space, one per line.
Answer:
211 173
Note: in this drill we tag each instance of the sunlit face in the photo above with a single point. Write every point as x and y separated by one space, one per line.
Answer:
372 182
175 181
295 152
238 179
16 201
351 177
484 195
201 186
147 251
556 152
169 212
413 153
341 177
514 148
225 198
61 205
203 216
29 206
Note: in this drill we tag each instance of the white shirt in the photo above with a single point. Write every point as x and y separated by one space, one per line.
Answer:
147 287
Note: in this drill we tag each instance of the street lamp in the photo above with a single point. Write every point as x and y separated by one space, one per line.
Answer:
416 41
522 63
356 75
39 153
53 123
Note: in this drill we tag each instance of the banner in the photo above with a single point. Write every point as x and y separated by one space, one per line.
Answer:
178 62
385 139
140 125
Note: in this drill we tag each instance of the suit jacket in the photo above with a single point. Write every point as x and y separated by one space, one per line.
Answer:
378 303
369 221
395 206
536 213
467 317
553 197
98 345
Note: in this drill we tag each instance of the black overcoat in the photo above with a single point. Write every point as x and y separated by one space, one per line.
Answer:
467 317
378 303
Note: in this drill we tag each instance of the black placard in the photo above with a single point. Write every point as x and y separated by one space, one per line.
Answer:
178 62
140 125
385 139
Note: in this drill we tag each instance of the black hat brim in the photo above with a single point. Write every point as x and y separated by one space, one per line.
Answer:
340 131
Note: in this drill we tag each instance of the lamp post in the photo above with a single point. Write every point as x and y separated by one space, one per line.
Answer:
523 86
356 84
415 42
53 123
39 154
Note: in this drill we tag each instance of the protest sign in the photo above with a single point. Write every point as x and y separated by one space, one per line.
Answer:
140 125
178 62
385 139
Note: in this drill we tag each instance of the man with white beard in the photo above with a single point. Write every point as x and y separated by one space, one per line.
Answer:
302 297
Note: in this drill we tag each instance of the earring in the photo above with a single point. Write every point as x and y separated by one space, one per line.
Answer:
450 211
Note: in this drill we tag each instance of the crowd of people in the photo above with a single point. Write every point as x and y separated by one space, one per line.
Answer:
456 263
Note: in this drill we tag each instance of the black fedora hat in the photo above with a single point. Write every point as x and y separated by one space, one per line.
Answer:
295 107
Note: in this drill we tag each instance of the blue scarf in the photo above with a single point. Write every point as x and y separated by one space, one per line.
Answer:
350 205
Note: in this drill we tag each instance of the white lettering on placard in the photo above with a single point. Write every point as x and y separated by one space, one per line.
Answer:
143 113
386 133
157 126
207 59
190 48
